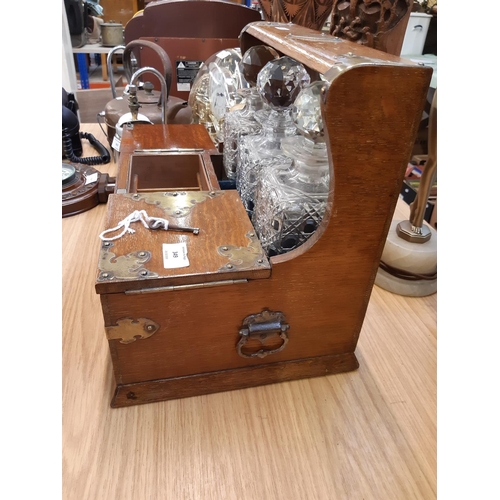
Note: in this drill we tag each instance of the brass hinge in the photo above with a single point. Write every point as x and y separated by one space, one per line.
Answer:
171 150
175 288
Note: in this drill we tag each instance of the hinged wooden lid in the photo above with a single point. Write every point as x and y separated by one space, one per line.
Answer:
226 247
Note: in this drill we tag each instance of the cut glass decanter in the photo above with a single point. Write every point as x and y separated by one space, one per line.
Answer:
292 196
240 120
279 83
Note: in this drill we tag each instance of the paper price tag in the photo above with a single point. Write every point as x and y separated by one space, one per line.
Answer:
115 143
175 255
92 178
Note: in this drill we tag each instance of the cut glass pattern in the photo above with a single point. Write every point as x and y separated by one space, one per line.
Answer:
291 197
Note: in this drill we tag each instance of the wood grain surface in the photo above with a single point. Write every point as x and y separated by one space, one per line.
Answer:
172 137
366 434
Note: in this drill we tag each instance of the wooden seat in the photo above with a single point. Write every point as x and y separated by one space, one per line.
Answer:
191 19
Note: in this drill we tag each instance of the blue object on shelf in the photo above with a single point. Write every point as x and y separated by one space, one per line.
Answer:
227 184
83 70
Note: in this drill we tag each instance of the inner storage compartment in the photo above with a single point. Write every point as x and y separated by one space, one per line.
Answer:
218 166
168 171
220 172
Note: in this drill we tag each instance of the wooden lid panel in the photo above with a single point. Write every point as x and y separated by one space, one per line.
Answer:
226 247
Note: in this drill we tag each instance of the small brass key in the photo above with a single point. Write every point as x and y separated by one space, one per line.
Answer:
158 224
194 230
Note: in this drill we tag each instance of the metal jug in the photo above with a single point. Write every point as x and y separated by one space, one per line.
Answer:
111 34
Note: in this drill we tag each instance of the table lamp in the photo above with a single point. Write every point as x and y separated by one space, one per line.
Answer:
409 261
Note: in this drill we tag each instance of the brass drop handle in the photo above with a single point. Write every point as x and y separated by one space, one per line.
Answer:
260 327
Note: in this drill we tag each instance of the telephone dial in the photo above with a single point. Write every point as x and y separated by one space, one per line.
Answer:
83 187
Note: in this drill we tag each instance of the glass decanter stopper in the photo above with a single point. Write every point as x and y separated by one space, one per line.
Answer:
292 197
279 83
240 120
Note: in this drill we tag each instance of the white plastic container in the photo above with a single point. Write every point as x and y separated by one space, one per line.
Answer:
416 33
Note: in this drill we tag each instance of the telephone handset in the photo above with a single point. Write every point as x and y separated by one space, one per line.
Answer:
71 135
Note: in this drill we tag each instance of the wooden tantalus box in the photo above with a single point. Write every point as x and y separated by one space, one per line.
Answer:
233 318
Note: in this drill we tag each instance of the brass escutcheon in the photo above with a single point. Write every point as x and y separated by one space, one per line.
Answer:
128 330
242 258
123 267
175 204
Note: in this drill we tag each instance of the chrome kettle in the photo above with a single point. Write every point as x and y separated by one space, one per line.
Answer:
154 107
133 116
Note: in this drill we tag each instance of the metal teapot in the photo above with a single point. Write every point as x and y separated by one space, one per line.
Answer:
154 107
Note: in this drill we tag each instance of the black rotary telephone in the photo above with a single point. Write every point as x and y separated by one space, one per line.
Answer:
83 187
71 135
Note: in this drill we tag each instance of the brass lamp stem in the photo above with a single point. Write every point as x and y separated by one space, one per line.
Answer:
415 230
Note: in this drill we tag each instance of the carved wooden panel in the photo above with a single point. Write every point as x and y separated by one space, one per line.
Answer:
376 24
309 13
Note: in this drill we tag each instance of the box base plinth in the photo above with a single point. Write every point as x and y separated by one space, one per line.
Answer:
228 380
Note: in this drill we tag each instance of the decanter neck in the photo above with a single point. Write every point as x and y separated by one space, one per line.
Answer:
310 159
252 100
276 121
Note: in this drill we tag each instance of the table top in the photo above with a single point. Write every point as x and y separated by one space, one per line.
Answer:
367 434
92 48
